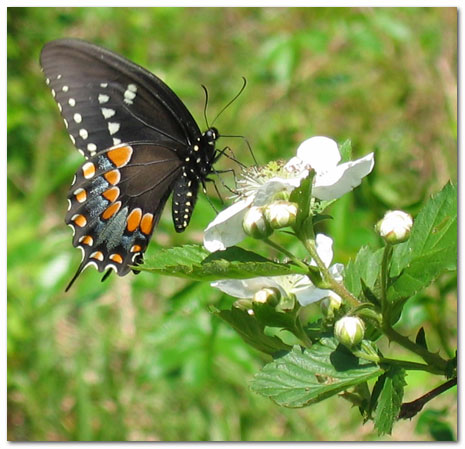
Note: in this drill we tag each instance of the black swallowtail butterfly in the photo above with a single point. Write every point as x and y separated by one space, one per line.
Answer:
140 143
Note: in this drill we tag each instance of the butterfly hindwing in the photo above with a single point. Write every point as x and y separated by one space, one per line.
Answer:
115 203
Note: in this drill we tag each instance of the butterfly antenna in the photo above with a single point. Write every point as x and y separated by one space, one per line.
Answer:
205 105
233 100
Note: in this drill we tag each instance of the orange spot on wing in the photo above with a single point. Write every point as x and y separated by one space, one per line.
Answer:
111 210
111 194
86 240
146 224
80 220
88 170
112 176
97 255
136 248
134 219
80 195
116 258
120 156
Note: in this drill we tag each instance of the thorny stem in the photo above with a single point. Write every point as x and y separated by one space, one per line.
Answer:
430 358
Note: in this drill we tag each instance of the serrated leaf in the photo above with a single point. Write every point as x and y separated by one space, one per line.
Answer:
302 196
431 249
366 267
390 400
194 262
251 330
304 377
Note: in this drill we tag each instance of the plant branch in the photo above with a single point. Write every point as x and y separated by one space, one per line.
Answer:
410 409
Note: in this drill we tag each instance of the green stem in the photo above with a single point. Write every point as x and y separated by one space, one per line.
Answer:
283 250
411 365
300 333
335 286
430 358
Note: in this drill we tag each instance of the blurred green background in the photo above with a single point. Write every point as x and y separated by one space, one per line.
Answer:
141 358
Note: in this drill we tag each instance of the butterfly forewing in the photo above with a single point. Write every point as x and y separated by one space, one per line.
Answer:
106 100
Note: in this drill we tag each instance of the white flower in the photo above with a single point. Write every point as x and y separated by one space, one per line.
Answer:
226 229
330 182
395 226
293 284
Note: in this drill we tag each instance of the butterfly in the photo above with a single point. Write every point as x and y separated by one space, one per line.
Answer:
140 143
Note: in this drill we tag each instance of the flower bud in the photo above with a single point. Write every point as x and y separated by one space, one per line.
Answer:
395 226
331 304
281 214
349 330
255 223
268 295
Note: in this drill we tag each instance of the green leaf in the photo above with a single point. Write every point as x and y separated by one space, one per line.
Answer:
304 377
431 249
346 150
390 400
363 272
194 262
302 196
251 330
421 338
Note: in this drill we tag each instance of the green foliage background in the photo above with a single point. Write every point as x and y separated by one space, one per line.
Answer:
141 358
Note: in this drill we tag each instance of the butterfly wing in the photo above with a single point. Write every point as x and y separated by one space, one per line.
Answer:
139 141
106 99
115 202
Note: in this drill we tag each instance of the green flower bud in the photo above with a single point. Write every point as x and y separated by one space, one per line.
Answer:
255 223
281 214
349 330
395 226
268 295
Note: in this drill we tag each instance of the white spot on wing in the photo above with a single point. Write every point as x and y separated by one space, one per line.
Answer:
103 85
72 102
108 113
116 141
65 88
102 98
113 127
83 133
130 93
77 118
92 147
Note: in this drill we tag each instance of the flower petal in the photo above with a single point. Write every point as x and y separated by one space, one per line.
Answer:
320 152
324 248
339 180
226 229
245 288
310 295
265 194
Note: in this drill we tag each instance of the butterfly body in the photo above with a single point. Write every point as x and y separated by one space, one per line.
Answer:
140 143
